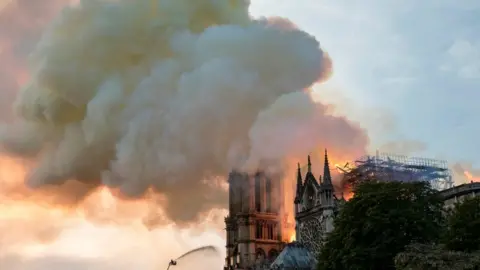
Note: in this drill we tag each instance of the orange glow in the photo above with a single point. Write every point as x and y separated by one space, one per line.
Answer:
292 237
341 167
106 198
22 78
103 226
471 177
347 196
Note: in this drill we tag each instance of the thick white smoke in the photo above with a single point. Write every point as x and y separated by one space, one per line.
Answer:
169 95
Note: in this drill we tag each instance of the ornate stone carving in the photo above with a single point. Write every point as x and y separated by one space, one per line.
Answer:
311 233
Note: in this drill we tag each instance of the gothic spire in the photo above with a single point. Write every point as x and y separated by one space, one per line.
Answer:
327 178
309 165
299 184
299 174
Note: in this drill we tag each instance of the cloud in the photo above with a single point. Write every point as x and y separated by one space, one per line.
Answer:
13 262
157 118
403 147
398 80
376 30
464 172
463 59
170 104
79 243
21 25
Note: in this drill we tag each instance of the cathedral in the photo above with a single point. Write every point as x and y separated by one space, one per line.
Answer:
257 225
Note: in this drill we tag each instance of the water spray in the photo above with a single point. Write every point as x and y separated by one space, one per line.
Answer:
191 252
172 262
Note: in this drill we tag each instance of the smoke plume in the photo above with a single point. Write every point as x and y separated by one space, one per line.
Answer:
21 23
167 97
464 172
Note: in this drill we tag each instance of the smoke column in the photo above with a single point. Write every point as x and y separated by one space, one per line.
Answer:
167 97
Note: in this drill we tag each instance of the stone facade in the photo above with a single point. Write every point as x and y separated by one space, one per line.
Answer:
258 229
255 225
315 207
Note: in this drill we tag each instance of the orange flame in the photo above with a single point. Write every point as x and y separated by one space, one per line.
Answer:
348 196
471 177
341 166
293 237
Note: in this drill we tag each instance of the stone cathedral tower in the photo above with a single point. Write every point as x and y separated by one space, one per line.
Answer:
256 226
315 206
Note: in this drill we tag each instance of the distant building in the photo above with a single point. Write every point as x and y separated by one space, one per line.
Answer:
459 193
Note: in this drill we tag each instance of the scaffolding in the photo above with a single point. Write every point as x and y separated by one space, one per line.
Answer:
387 167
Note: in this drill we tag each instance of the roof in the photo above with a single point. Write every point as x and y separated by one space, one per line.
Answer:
294 256
460 190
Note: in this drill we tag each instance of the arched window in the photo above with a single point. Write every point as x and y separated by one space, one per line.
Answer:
258 199
240 196
260 254
310 192
270 231
259 230
268 187
232 196
272 254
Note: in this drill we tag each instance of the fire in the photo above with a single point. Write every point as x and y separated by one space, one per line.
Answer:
341 167
293 237
471 177
347 196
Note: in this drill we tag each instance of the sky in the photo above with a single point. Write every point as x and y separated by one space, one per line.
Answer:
407 71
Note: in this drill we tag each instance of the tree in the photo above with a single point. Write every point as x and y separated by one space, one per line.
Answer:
378 222
434 257
463 230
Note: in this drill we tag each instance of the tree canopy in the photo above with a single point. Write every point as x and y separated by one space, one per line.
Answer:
435 257
463 230
460 249
378 222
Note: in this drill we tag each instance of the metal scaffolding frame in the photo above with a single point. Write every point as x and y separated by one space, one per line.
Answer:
388 167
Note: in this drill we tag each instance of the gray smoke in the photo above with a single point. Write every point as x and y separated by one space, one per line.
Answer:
170 96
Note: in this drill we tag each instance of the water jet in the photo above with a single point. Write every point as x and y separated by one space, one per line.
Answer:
192 252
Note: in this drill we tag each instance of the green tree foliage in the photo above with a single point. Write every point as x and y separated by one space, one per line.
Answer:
378 222
463 230
431 257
